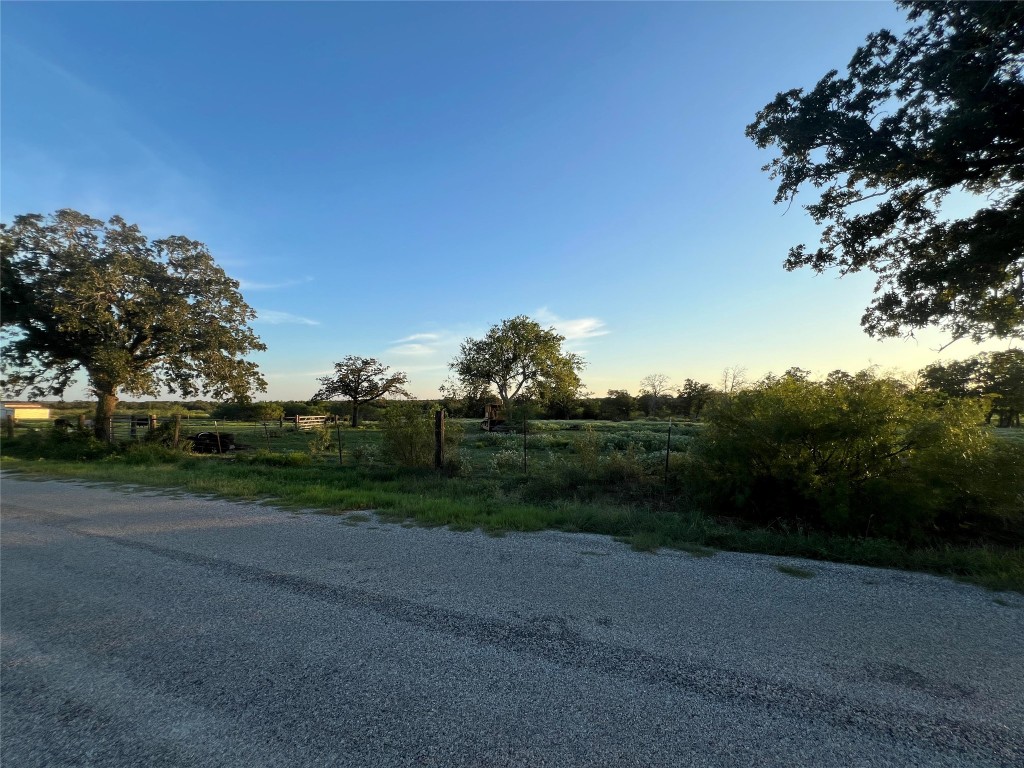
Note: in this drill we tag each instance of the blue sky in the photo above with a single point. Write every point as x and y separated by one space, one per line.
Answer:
386 179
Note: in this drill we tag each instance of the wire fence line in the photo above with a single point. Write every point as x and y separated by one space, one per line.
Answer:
458 445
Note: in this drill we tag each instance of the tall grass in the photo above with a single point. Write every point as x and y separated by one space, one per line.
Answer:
497 504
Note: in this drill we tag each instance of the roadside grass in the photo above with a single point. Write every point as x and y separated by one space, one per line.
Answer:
497 505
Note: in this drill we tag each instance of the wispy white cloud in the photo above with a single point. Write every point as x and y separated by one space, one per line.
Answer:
573 329
414 350
253 285
275 317
432 344
416 337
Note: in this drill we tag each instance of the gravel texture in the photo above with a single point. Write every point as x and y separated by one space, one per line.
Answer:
156 629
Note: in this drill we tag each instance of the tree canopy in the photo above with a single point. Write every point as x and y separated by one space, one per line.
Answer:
919 155
653 386
361 380
995 376
136 315
520 359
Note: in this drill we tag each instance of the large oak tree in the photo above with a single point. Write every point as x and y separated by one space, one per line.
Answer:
136 315
916 154
519 358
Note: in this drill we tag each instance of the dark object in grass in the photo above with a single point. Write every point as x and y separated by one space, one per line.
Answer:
211 442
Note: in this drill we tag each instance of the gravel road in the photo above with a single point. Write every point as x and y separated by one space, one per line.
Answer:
145 629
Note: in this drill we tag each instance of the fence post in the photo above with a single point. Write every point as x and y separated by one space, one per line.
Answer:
9 426
152 422
668 447
177 429
216 430
439 439
524 444
341 450
110 429
81 422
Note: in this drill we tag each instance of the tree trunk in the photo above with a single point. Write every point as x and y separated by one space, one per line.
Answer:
106 403
355 413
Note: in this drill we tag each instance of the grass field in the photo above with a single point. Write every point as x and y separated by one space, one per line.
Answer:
493 493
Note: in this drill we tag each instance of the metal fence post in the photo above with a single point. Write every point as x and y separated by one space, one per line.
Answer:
524 444
341 449
668 447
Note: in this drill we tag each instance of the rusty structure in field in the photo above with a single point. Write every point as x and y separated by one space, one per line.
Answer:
494 418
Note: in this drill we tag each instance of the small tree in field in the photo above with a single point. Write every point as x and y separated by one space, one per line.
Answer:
136 315
652 387
361 380
520 358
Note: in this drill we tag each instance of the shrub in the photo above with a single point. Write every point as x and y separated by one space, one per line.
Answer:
507 461
320 440
407 435
275 459
68 445
366 454
853 454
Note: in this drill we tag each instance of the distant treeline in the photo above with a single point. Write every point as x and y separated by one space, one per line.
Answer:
995 380
619 405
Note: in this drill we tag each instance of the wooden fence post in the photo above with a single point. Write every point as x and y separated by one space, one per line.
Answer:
9 427
110 429
81 422
177 429
439 439
152 422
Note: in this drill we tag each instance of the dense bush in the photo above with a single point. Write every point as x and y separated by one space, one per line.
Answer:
299 408
264 411
67 445
854 454
407 436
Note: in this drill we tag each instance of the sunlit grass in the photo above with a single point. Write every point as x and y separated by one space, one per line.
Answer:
502 504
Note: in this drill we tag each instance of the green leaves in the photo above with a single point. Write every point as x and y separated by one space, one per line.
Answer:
519 358
361 380
136 315
914 119
852 454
